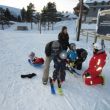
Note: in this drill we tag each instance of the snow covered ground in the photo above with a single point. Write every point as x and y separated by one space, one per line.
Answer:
31 94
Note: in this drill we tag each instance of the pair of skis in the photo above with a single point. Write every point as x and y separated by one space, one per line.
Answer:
73 71
59 89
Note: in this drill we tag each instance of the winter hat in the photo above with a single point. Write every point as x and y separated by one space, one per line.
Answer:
97 46
32 55
63 28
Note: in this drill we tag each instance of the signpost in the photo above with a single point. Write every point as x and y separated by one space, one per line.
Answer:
80 20
103 25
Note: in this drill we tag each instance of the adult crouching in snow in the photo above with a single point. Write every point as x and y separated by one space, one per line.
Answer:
92 75
82 55
63 38
49 54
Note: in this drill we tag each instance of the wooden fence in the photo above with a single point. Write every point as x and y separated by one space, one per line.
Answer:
92 33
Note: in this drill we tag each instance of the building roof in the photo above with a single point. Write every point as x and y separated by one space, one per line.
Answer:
92 1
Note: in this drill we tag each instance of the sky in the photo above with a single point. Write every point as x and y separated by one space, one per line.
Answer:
62 5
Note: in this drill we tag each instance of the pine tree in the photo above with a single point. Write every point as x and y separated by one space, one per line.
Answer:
2 17
13 18
23 14
8 14
49 14
103 3
19 18
51 11
30 13
44 16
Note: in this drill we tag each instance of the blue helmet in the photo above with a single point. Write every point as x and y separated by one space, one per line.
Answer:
72 55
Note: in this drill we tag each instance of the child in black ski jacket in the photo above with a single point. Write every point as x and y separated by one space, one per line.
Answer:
59 58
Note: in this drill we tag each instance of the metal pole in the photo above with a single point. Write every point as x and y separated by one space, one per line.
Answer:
2 25
40 25
95 39
87 37
80 20
31 24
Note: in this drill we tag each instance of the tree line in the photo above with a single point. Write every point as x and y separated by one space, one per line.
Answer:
47 18
5 14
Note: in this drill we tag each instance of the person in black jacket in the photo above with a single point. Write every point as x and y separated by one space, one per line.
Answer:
82 55
63 38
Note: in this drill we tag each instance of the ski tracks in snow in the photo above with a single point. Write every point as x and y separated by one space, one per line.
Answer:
69 103
7 93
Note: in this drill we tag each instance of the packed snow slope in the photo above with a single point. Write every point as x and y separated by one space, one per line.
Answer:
30 94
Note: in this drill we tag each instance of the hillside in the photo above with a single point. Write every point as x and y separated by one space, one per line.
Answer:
14 11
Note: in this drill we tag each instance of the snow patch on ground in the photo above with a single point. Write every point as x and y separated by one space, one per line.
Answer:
26 94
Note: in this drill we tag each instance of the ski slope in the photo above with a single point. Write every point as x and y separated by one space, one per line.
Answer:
30 94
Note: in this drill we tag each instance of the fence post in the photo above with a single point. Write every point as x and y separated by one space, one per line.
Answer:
95 40
102 44
87 38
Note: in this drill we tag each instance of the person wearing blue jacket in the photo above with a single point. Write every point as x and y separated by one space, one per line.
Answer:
72 53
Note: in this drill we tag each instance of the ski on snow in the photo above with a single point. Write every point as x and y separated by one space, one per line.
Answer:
73 71
59 89
52 86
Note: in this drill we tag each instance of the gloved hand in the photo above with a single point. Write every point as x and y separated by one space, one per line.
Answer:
59 60
72 64
87 74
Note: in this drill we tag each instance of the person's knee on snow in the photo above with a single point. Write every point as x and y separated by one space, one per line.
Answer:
96 65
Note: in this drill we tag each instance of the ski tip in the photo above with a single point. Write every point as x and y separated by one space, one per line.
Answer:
53 93
60 92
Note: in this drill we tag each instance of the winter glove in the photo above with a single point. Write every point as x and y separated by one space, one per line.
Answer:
87 75
72 64
28 75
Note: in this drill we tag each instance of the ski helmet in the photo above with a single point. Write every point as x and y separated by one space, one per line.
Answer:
63 55
72 45
97 46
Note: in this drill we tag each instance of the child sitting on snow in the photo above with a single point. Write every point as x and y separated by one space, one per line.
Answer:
72 55
35 60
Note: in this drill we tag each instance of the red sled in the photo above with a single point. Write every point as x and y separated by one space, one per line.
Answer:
36 61
94 81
